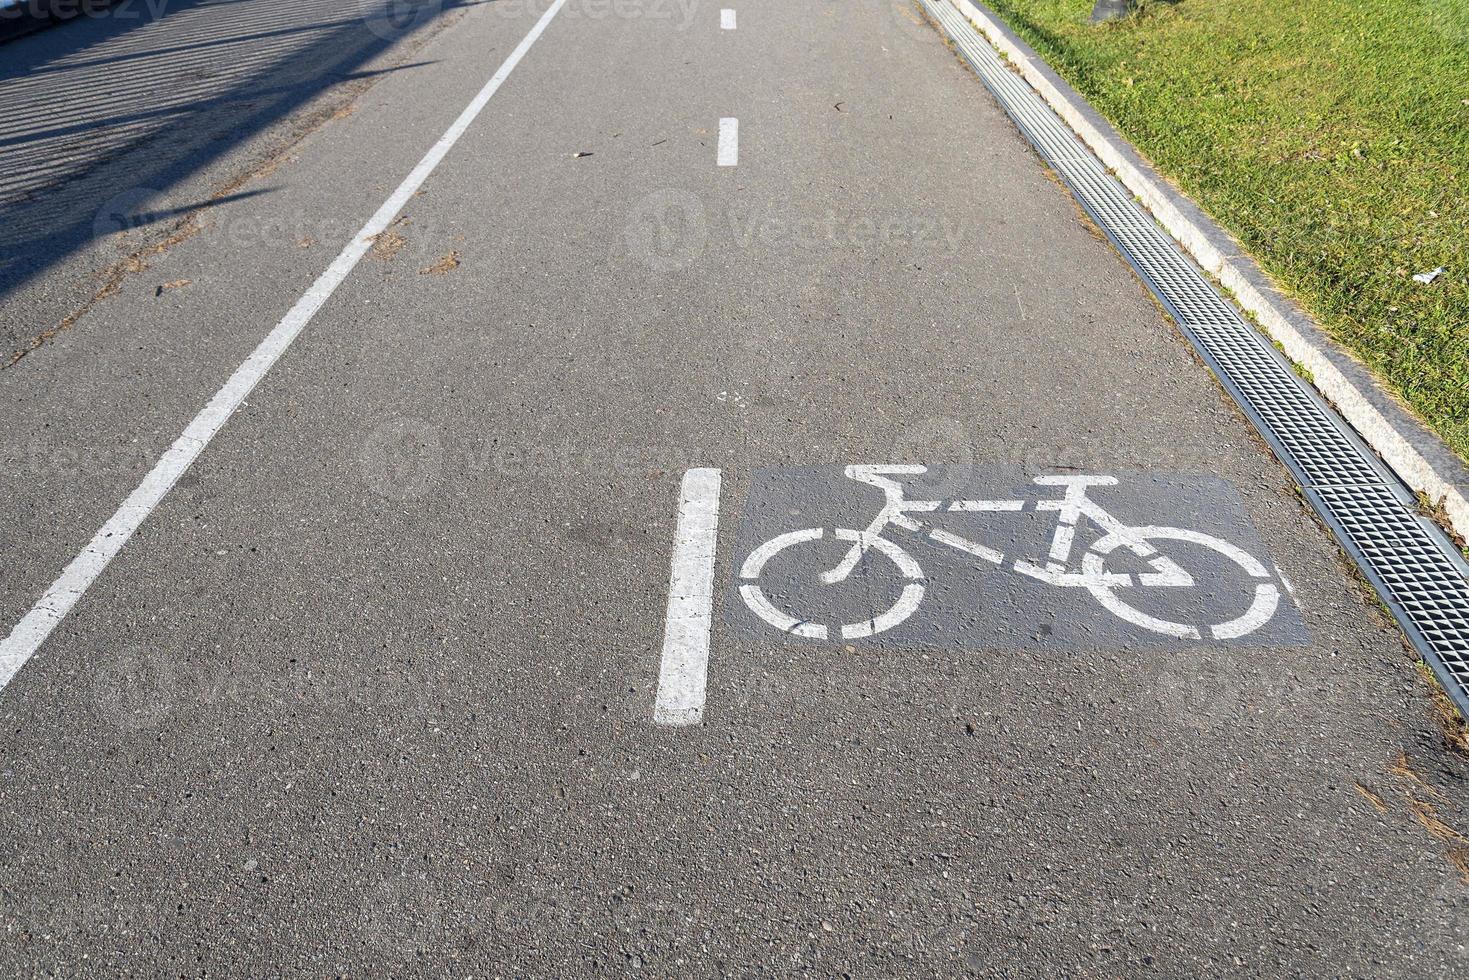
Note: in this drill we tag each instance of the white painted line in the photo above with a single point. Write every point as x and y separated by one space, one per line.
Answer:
729 142
28 635
987 505
727 19
970 547
681 675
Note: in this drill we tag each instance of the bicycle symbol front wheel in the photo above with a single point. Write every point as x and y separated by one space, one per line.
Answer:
809 627
1264 597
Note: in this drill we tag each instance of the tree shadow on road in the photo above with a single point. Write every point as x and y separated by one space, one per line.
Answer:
101 117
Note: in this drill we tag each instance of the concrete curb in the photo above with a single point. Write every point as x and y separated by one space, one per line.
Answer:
1414 453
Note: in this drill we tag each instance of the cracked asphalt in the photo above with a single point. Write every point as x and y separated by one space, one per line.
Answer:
370 692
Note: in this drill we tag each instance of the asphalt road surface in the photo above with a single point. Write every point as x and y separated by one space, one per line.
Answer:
372 688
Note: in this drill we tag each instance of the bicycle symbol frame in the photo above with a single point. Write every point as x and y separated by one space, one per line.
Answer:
1059 570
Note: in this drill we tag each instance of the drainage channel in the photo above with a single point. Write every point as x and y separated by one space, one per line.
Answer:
1408 559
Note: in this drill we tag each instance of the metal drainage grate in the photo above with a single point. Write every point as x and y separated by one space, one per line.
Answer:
1420 575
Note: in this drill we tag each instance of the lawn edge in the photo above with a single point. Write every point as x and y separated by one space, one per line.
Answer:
1418 456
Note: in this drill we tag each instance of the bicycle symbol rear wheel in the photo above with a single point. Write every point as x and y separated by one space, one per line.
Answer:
809 628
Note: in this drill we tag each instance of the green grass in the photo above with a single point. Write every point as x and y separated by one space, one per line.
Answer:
1330 136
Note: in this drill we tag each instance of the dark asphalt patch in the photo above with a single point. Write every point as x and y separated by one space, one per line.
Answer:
1153 559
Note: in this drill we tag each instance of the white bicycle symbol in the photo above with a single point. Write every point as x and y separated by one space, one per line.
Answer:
1058 571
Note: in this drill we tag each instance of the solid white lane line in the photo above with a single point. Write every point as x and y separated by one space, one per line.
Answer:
727 19
685 663
729 142
36 625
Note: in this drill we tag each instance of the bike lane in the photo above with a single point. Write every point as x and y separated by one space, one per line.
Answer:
92 410
415 692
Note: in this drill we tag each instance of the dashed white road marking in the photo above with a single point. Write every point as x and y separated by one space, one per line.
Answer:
681 676
729 141
33 629
727 19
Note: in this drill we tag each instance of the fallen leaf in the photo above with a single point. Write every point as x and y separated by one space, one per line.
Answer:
387 244
1370 797
445 265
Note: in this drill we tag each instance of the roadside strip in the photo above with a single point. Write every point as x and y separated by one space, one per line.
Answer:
1418 457
33 629
1417 571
